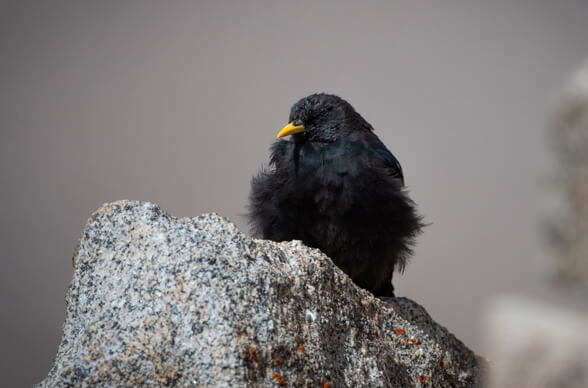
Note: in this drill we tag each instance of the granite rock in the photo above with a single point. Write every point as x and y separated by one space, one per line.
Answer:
162 301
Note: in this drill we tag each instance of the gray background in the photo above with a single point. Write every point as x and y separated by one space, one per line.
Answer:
177 103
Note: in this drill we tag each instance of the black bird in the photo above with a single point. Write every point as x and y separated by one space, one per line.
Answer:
334 185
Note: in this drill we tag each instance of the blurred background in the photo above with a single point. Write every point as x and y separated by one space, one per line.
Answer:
177 103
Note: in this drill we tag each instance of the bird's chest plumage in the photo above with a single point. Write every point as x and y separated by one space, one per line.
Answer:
321 177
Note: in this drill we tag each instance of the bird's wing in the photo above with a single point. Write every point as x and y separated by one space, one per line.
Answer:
389 161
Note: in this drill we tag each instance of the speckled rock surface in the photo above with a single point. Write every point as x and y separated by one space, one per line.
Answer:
158 300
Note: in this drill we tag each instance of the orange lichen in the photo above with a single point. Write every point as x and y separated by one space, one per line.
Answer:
253 353
327 385
302 350
423 379
416 342
400 331
277 362
279 379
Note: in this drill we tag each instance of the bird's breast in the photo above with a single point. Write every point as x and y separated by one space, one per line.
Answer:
323 177
315 163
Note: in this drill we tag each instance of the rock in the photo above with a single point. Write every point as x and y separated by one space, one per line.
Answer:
159 300
536 345
567 202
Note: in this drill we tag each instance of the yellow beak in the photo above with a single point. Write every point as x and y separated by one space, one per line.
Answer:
290 129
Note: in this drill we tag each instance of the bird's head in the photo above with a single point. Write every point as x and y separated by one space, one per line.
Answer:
320 117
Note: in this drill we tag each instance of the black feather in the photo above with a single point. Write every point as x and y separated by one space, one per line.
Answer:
337 187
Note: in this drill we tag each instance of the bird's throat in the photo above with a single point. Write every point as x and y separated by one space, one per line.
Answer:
296 156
